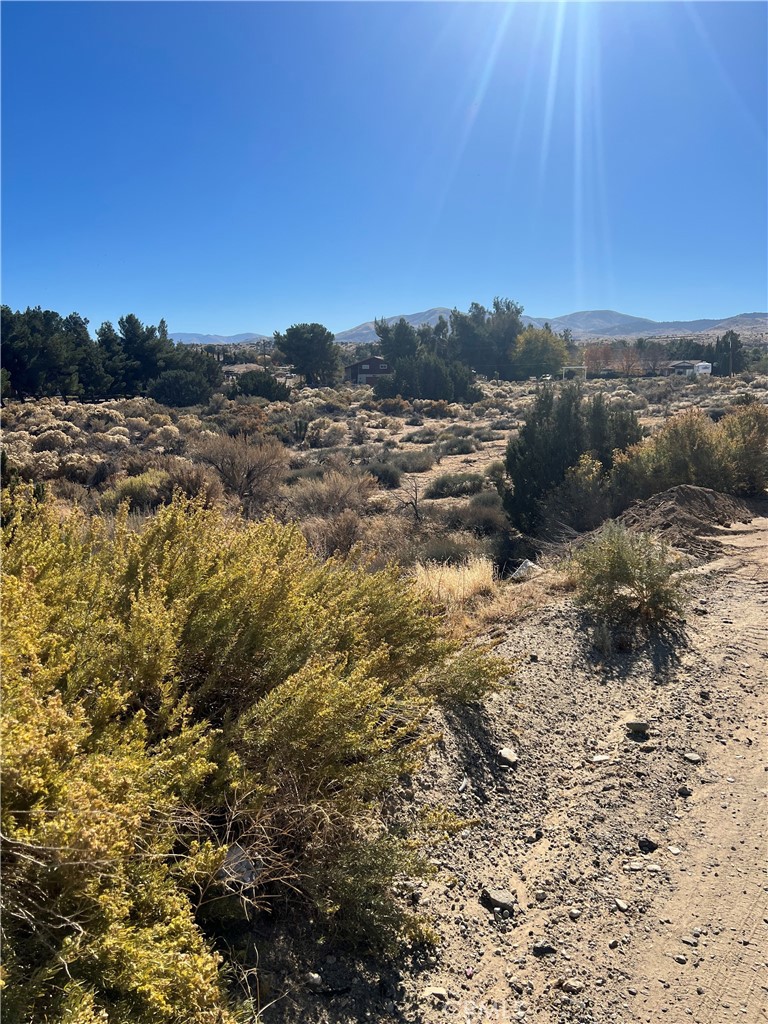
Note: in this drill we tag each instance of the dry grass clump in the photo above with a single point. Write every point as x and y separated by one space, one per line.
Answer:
457 586
513 600
332 494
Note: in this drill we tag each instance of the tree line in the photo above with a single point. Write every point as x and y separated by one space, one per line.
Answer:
441 361
47 354
727 354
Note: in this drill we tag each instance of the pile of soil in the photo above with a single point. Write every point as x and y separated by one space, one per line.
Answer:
683 514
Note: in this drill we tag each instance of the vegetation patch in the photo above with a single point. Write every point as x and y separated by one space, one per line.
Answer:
199 717
625 578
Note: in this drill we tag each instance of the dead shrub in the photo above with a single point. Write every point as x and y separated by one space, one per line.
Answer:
332 494
336 536
52 441
250 467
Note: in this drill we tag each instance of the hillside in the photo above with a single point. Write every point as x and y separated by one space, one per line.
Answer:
586 325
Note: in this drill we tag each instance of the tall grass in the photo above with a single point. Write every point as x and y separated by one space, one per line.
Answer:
457 586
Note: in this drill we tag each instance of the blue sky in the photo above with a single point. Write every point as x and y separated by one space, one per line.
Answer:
245 166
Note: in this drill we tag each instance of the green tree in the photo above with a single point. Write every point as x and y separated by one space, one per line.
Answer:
398 341
729 356
263 385
181 388
312 351
538 351
558 431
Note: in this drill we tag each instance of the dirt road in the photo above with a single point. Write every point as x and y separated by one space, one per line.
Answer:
654 903
628 867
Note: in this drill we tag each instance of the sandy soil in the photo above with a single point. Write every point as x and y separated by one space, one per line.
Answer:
631 868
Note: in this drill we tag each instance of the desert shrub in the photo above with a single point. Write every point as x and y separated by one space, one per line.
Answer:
396 406
624 577
743 447
77 467
455 485
424 436
457 430
731 456
187 424
324 433
142 492
52 441
138 426
193 480
310 471
414 462
174 686
387 473
438 410
334 535
43 465
332 494
358 431
455 446
444 550
582 501
105 442
483 515
486 433
167 437
250 467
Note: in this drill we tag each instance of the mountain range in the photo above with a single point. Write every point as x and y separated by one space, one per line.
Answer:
585 326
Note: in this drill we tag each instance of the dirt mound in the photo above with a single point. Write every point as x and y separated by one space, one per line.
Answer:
683 514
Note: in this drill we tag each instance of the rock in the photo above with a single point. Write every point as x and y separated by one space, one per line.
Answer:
681 959
540 895
675 850
689 940
240 869
526 571
621 905
684 791
543 948
508 756
692 758
599 759
574 913
647 845
613 944
501 899
573 985
648 748
314 982
437 995
637 725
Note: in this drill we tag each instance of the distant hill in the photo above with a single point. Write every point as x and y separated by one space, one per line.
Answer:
585 326
607 323
217 339
366 333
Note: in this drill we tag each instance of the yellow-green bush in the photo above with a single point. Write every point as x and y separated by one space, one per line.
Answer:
730 456
168 691
628 578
